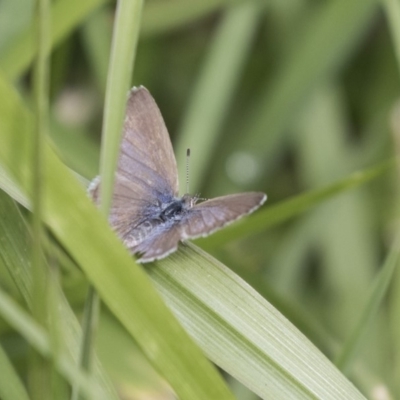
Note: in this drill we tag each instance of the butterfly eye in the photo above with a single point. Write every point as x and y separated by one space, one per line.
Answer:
189 201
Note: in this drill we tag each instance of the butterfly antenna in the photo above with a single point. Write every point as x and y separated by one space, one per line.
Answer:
187 169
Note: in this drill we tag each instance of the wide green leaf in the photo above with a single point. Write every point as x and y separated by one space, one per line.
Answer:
241 332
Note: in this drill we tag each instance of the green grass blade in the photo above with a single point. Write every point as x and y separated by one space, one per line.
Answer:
15 257
9 186
96 35
317 53
329 38
241 332
14 254
123 51
158 17
38 338
350 349
78 151
161 16
394 329
11 386
392 11
215 87
40 369
15 15
283 211
344 230
66 16
89 329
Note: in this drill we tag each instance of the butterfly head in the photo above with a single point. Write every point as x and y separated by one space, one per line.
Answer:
189 201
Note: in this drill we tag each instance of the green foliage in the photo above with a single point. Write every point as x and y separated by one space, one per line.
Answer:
297 99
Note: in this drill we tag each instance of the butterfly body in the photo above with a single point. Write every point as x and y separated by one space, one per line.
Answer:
146 211
177 208
156 219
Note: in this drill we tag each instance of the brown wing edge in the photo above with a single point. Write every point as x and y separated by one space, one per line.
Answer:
144 259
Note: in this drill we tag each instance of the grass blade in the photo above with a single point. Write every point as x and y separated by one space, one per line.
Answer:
125 38
379 290
281 212
392 11
40 370
15 257
317 53
161 16
65 16
241 332
38 338
11 386
215 87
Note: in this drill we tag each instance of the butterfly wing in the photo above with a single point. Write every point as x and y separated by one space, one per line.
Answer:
146 174
211 215
160 243
147 158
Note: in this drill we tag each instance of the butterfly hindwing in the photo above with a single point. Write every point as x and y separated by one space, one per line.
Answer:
159 244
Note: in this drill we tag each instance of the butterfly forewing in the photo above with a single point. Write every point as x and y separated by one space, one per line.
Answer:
146 172
146 149
214 214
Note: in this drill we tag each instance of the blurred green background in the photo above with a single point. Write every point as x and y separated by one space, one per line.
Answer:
280 96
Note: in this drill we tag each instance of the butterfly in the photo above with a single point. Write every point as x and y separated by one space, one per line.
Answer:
146 211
